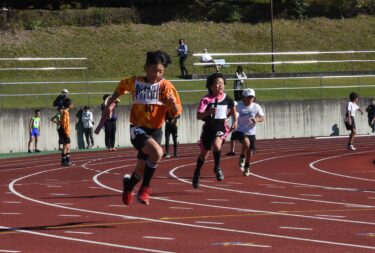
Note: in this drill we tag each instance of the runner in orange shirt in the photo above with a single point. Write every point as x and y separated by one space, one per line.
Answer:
152 97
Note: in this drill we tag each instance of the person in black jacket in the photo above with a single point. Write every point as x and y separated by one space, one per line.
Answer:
170 129
60 98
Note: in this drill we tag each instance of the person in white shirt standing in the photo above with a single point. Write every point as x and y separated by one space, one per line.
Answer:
88 124
351 109
249 114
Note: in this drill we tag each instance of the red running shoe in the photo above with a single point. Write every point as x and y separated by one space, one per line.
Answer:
127 196
144 195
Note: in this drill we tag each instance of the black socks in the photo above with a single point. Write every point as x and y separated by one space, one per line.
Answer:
199 165
217 156
149 172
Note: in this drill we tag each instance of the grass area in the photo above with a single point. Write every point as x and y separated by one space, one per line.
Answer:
116 51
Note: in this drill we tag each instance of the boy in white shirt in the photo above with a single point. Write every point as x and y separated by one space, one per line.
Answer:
88 124
351 108
249 114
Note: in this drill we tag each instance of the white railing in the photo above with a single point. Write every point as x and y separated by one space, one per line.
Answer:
44 59
281 62
287 53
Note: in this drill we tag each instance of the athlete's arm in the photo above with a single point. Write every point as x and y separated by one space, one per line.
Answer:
233 111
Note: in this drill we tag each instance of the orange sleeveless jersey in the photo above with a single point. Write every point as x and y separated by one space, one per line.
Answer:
149 101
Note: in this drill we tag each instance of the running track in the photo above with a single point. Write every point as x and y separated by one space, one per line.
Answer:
304 195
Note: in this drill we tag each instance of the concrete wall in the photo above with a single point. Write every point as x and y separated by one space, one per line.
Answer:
283 119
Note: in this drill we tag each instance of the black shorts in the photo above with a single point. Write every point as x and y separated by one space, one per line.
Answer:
209 134
236 136
352 126
139 136
251 138
63 138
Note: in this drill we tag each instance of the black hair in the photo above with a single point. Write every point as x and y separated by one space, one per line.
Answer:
211 80
86 107
106 96
239 69
158 57
67 102
36 111
353 96
180 41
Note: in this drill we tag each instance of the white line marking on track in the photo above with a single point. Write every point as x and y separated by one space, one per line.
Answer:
282 203
311 195
64 204
78 232
330 216
58 194
182 208
69 215
209 222
173 183
223 200
238 183
85 241
11 202
54 186
9 251
117 206
158 238
295 228
339 136
10 213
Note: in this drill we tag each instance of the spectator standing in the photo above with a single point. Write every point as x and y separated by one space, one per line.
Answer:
88 124
56 119
110 125
60 98
79 129
238 83
171 129
371 114
182 52
34 130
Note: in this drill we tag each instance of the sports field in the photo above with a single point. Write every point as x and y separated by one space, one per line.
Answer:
300 195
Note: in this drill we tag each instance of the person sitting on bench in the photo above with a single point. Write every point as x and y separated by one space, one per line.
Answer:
207 58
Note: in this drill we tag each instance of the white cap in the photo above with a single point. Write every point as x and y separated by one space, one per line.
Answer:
64 91
248 92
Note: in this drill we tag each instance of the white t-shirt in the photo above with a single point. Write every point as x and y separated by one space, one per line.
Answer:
206 58
352 108
87 119
245 113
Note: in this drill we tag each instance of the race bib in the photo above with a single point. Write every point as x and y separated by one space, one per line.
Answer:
146 93
221 112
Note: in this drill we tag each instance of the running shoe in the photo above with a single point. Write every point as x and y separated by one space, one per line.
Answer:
241 163
175 155
231 153
127 196
167 155
144 195
196 177
29 151
246 172
67 164
351 147
37 150
219 174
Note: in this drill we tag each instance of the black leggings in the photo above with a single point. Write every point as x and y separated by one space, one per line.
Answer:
110 133
184 71
171 130
89 136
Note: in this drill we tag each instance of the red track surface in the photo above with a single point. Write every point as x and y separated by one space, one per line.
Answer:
304 195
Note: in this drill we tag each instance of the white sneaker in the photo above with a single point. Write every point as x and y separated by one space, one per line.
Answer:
241 163
351 147
246 172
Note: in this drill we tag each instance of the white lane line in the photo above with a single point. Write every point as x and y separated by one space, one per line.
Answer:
311 195
78 232
209 222
85 241
69 215
295 228
223 200
173 183
182 208
158 238
312 165
330 216
10 213
64 204
54 186
11 202
58 194
234 183
9 251
117 206
12 185
282 203
339 136
95 178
